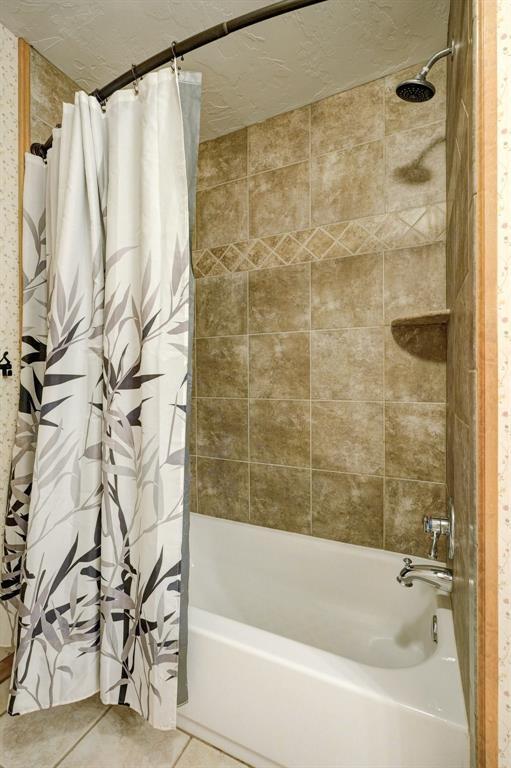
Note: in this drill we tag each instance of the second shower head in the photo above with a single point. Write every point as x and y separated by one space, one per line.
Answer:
418 88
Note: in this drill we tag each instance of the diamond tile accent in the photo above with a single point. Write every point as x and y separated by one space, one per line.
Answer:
399 229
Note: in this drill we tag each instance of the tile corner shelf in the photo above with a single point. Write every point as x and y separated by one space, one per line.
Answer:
441 317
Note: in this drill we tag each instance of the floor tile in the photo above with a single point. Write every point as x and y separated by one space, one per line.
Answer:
200 755
40 739
122 739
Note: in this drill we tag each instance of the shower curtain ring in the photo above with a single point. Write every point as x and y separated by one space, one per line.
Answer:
174 65
135 79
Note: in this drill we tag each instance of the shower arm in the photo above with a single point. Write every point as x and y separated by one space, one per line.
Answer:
436 57
178 50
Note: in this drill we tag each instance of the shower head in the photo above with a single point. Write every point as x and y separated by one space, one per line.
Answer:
417 88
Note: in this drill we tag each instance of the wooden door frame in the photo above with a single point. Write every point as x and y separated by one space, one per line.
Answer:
487 385
23 146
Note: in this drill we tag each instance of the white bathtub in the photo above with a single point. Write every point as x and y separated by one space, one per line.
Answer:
306 653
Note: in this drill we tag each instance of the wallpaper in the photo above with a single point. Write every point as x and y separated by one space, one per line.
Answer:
504 345
9 318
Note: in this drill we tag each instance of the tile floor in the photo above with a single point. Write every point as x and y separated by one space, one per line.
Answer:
90 735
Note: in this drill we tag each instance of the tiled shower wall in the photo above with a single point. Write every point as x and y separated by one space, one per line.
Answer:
461 373
315 229
49 87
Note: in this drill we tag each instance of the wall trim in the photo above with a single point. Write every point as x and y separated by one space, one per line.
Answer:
487 387
23 146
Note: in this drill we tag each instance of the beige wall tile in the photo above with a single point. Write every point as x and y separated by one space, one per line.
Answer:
49 87
279 299
415 167
222 215
415 363
348 184
222 159
464 352
122 737
280 365
222 428
351 117
278 141
222 488
347 292
347 365
401 115
39 130
193 483
348 437
415 441
222 367
280 432
222 305
280 497
406 503
348 508
279 200
192 424
414 281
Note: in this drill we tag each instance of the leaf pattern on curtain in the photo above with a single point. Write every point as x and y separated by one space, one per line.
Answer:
92 552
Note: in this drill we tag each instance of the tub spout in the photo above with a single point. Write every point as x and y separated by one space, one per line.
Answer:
436 575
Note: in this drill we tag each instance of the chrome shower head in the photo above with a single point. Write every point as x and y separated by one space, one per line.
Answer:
417 88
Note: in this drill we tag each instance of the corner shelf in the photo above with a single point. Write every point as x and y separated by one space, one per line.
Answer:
441 317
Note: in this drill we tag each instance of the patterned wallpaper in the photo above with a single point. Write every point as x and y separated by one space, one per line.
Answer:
504 342
9 317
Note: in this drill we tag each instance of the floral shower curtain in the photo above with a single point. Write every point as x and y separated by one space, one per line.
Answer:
94 542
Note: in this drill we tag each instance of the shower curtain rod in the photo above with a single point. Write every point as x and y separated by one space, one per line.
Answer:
178 50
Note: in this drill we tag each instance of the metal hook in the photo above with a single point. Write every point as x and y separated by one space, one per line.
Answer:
173 64
135 79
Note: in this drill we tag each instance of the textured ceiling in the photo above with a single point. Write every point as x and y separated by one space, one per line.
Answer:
271 67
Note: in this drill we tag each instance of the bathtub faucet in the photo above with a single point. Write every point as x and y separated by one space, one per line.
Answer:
436 575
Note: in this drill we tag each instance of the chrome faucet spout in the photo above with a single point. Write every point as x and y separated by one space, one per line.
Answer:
436 575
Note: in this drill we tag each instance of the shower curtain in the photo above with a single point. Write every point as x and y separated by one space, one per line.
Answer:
95 551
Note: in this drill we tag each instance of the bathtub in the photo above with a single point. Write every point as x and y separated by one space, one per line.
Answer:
307 653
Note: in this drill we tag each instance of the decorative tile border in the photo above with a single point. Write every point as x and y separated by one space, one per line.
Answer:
401 229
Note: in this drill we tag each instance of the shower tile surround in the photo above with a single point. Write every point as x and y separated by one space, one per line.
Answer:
315 229
461 362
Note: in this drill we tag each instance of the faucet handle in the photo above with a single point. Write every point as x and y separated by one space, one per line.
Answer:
407 561
436 526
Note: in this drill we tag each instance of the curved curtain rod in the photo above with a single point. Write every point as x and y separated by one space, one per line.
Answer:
178 50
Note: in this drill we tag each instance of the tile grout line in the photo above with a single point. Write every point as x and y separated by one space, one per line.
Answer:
247 299
322 469
325 400
310 328
185 747
86 733
310 398
196 317
339 329
383 522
